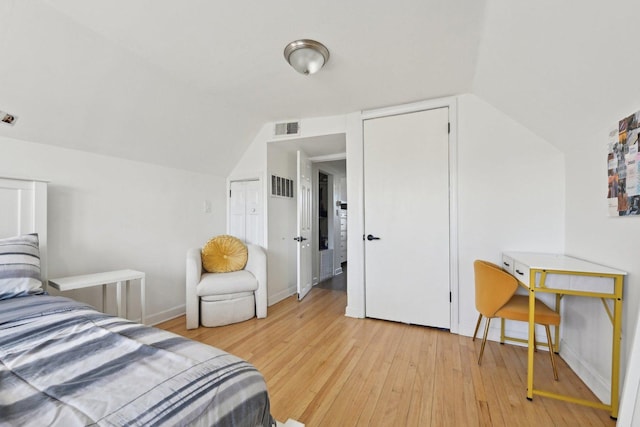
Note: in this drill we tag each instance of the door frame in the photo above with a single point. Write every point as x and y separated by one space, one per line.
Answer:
356 295
420 155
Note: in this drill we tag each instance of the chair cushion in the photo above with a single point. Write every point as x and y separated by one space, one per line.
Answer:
225 312
518 309
226 283
224 254
226 297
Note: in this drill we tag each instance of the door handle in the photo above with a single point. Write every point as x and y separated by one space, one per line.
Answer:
300 239
372 237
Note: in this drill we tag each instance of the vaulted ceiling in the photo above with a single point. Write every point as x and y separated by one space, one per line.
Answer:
189 84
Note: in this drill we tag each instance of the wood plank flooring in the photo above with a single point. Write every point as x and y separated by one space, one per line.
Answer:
325 369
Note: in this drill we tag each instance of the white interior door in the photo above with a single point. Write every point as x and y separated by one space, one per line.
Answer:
245 211
304 225
406 175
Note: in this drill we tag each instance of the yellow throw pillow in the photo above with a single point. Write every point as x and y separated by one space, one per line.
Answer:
224 254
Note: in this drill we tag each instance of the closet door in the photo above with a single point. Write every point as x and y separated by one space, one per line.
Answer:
245 211
406 174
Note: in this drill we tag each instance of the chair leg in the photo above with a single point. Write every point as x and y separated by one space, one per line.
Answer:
484 339
535 346
553 359
477 326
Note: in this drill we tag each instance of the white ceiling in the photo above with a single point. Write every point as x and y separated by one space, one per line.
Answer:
317 146
189 84
566 70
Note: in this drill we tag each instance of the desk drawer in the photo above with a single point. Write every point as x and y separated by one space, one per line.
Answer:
507 264
521 272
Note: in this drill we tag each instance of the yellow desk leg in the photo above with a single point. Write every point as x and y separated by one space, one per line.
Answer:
556 336
615 363
532 344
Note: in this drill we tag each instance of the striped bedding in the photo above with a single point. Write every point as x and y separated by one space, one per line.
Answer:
64 364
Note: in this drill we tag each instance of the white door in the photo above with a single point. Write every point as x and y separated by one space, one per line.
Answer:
245 211
304 225
406 176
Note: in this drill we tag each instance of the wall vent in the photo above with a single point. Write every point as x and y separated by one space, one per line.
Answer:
288 128
281 187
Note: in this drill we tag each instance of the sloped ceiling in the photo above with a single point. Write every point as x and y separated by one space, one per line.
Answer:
566 70
189 84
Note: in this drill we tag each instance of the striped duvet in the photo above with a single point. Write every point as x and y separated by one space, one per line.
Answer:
63 363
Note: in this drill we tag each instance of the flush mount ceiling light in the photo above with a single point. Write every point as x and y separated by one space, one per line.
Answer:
306 56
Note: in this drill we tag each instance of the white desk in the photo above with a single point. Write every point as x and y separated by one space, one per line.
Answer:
533 271
103 279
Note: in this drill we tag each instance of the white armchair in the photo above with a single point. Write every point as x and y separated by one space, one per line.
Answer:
216 299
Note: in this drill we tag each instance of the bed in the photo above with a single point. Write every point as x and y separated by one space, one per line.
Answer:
64 363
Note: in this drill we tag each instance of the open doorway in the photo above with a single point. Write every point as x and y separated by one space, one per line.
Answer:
325 152
331 221
332 224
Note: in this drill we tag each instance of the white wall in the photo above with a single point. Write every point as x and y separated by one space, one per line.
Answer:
510 196
593 235
107 213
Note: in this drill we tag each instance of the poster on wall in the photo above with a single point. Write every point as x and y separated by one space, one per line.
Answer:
623 163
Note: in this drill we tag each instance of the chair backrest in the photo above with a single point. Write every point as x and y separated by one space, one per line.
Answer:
494 287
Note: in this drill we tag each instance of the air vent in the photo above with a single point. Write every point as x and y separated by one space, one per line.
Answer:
289 128
281 187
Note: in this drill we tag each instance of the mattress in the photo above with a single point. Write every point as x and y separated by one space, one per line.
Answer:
64 363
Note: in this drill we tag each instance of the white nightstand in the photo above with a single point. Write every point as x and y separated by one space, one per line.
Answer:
103 279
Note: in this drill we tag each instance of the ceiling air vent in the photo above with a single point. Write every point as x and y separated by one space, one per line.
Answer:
289 128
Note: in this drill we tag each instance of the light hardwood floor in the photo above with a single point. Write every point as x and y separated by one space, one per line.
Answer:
325 369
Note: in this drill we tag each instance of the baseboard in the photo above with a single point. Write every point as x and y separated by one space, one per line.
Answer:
289 423
165 315
350 312
286 293
600 386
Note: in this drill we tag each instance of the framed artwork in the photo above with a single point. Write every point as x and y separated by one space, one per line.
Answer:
623 173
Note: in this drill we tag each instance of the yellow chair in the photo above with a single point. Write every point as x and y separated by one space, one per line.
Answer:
495 297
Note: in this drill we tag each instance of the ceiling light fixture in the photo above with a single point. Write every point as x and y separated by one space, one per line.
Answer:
306 56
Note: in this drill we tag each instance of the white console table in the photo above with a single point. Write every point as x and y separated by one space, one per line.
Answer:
103 279
535 272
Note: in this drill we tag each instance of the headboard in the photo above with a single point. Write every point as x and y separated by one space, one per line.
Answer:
23 210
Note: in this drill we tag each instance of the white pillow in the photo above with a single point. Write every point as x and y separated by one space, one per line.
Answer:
20 266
